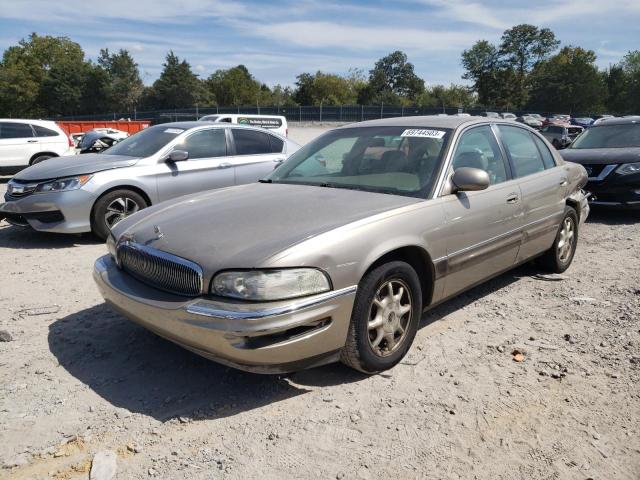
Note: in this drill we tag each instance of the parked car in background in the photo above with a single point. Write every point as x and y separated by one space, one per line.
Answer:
27 142
530 121
508 116
276 123
557 120
338 252
94 192
560 136
490 114
583 122
610 152
537 116
96 141
599 118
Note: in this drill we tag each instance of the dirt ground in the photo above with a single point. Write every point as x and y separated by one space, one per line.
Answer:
77 379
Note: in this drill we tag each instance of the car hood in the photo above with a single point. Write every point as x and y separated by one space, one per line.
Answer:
591 156
59 167
243 226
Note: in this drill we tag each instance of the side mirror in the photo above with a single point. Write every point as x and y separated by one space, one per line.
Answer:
178 156
467 179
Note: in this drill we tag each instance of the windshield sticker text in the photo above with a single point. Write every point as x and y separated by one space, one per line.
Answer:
418 132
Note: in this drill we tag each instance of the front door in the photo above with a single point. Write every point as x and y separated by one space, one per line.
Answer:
208 166
483 227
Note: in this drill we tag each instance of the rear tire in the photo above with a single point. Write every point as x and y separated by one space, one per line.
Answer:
112 207
559 257
385 318
41 158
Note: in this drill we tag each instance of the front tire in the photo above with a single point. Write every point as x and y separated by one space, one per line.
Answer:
559 257
41 158
113 207
385 318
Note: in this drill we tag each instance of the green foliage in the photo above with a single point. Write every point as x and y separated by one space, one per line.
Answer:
440 96
177 86
235 86
124 86
326 89
392 80
568 82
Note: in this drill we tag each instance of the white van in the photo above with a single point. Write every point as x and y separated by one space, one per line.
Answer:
271 122
26 142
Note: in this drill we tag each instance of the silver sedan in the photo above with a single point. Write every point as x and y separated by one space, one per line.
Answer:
93 192
337 253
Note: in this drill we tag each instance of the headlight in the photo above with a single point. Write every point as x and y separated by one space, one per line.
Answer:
265 285
627 168
63 184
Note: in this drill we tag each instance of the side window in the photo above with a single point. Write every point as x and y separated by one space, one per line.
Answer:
15 130
44 132
205 144
226 120
525 157
277 144
478 148
250 142
547 157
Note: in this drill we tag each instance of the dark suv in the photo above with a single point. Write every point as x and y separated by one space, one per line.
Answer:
610 152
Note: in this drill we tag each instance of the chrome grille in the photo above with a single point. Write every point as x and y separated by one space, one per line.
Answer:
161 269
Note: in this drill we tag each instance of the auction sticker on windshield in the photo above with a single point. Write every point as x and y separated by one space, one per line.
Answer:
418 132
176 131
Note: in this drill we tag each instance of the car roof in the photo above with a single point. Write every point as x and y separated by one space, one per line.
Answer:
195 124
450 121
618 120
28 120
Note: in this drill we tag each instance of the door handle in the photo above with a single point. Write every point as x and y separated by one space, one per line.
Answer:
564 182
32 141
513 198
225 165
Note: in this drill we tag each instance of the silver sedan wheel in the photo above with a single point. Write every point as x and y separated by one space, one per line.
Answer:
389 317
119 209
566 240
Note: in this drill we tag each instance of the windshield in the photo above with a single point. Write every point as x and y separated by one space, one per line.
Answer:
609 136
146 142
397 160
209 118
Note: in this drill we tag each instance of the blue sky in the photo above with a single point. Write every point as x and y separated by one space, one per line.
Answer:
279 39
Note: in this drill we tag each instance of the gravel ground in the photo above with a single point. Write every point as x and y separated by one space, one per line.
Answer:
77 379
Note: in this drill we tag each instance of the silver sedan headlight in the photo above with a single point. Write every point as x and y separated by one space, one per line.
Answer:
266 285
628 168
63 184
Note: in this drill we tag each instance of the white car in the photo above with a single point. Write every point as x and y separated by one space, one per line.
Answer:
276 123
27 142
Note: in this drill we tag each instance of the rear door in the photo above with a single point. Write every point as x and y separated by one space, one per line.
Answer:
483 227
51 140
17 144
543 185
256 154
208 166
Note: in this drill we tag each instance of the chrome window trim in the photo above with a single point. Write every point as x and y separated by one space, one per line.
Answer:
604 173
204 309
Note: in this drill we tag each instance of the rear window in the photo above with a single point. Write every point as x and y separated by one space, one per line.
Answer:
15 130
44 132
250 142
277 144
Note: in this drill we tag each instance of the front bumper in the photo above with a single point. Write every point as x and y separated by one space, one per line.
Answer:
618 191
271 337
62 212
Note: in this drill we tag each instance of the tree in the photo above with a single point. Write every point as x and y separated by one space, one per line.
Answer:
124 83
392 80
439 96
235 86
41 75
631 67
616 81
177 86
324 88
568 82
522 47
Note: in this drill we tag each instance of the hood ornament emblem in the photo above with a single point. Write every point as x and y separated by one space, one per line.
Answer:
158 232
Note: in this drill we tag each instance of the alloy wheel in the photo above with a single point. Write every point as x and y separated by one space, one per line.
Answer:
566 240
119 209
389 317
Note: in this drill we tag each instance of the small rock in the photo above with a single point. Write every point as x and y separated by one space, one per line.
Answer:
518 356
183 419
18 461
5 336
500 348
340 475
103 466
152 472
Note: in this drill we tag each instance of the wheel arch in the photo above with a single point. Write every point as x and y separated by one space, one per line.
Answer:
39 154
419 259
133 188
